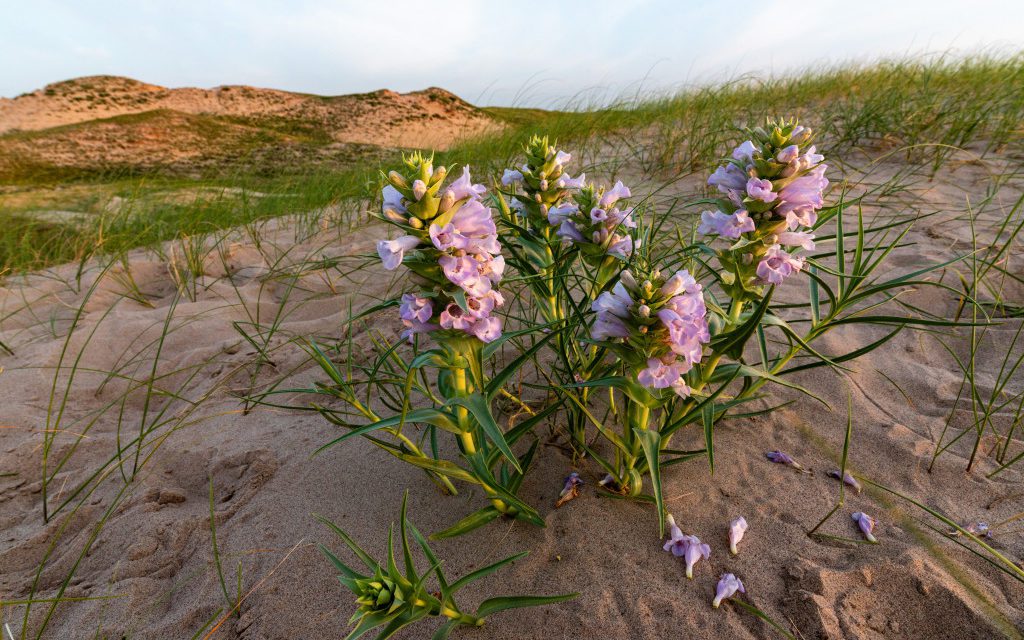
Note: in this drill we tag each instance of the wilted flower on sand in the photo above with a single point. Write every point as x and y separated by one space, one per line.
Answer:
978 529
662 322
676 538
847 479
736 530
694 550
866 524
772 189
727 587
570 490
780 457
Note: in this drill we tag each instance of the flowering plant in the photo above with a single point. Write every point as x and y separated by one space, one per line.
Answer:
449 245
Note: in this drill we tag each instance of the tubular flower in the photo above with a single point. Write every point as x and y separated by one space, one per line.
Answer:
847 479
595 223
727 587
771 190
737 528
866 524
661 322
781 457
450 243
541 183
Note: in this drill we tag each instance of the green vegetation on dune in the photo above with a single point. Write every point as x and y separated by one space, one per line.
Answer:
927 109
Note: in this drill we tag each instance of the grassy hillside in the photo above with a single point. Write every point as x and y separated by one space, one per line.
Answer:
924 110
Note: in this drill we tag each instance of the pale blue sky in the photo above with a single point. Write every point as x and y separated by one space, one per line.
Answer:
490 52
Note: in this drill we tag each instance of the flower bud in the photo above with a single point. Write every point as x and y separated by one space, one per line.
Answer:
627 279
419 189
447 200
415 223
644 311
438 175
397 179
395 217
543 185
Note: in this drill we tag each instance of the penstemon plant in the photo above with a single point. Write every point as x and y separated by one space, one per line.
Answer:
681 350
393 598
553 222
449 245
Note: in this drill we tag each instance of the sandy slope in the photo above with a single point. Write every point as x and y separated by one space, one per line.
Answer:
155 552
431 118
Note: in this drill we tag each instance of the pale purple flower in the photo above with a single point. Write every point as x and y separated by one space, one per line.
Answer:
780 457
413 327
560 213
510 176
676 538
415 308
694 550
787 155
598 215
866 524
464 187
474 228
797 239
569 231
453 317
481 307
464 271
724 224
659 375
621 246
608 326
392 199
681 282
800 199
727 587
847 479
562 158
728 177
759 189
616 301
487 329
736 530
568 182
979 529
613 195
570 490
744 152
391 252
777 265
799 134
687 334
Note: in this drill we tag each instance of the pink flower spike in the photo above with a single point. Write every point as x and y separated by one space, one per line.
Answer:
866 524
736 530
727 587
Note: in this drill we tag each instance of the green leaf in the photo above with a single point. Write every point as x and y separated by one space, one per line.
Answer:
472 521
707 415
481 410
651 442
493 605
498 381
445 630
485 571
370 563
630 387
441 467
435 417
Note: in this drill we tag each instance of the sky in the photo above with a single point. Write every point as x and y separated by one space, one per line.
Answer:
490 52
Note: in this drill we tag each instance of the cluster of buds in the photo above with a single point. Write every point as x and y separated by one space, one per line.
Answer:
543 181
772 190
592 221
450 243
662 323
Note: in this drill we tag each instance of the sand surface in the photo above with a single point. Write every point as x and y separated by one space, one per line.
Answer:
155 554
